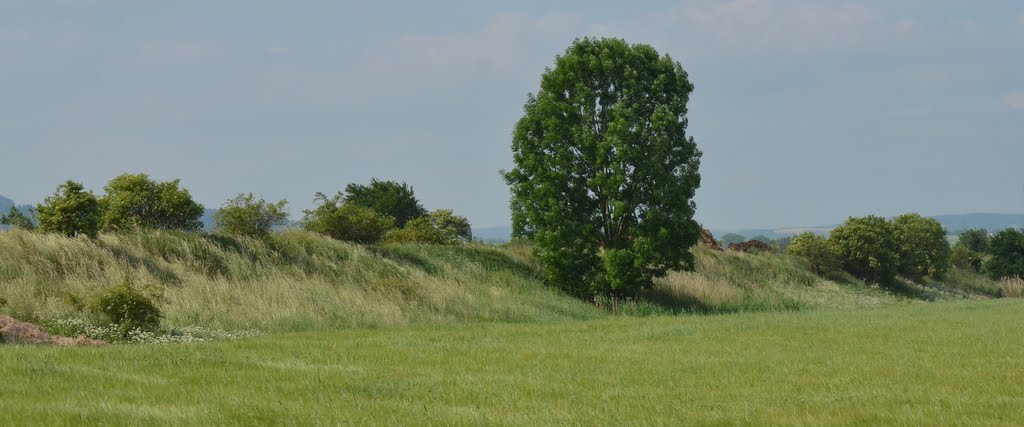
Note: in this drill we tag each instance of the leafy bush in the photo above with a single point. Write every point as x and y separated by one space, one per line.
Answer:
387 198
246 216
976 240
346 221
923 248
816 250
963 258
1007 248
127 308
867 248
441 227
70 211
137 201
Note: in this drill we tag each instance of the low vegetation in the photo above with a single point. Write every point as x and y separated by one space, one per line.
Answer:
922 364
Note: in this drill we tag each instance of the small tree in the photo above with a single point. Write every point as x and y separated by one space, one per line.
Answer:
923 248
70 211
816 250
1007 248
136 201
866 248
975 239
387 198
246 216
17 219
346 221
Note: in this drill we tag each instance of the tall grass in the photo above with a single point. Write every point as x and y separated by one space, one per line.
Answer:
292 280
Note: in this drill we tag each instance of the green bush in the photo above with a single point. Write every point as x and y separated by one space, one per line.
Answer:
441 227
346 221
127 308
975 239
18 219
1007 248
136 201
387 198
923 248
867 248
965 259
70 211
246 216
816 250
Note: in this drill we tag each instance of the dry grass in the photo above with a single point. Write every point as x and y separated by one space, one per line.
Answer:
1011 287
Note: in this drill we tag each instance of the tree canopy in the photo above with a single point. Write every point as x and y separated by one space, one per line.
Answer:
604 172
136 201
244 215
71 211
389 198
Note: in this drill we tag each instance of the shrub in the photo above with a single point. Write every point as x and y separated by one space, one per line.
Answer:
975 239
345 221
441 227
246 216
866 248
17 219
816 250
923 248
387 198
963 258
137 201
127 308
1007 248
70 211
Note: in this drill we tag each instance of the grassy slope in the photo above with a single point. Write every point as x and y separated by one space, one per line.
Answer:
920 364
296 281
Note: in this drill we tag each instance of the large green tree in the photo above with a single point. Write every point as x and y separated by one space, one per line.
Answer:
604 172
923 248
136 201
71 211
389 198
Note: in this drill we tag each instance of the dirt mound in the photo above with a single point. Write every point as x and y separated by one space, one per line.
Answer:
751 246
707 240
15 332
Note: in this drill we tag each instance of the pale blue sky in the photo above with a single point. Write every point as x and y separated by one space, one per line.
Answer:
807 112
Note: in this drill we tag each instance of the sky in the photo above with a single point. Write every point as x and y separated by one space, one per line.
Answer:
807 112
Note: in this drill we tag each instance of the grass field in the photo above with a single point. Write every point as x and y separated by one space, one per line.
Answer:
918 364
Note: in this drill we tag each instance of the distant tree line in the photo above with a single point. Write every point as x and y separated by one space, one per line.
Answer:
380 211
878 250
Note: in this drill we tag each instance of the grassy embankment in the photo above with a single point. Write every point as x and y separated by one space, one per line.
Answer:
299 281
916 364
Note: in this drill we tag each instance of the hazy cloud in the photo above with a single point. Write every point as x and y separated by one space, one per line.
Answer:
1015 100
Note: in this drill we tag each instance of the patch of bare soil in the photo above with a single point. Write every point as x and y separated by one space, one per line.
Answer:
13 331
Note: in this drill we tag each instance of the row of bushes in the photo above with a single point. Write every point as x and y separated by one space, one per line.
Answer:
382 210
878 250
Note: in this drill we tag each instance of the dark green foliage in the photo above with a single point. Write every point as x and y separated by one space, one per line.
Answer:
346 221
816 250
923 248
17 219
975 239
1007 249
387 198
136 201
246 216
605 174
440 227
867 248
127 308
70 211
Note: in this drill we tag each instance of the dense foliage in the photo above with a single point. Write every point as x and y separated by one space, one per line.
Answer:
346 221
923 248
975 239
388 198
1007 248
127 308
867 248
71 211
244 215
136 201
440 227
604 172
816 250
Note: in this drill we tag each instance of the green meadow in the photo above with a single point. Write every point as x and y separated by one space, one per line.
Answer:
913 364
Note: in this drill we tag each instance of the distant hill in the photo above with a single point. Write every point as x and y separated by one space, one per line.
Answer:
499 234
989 221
